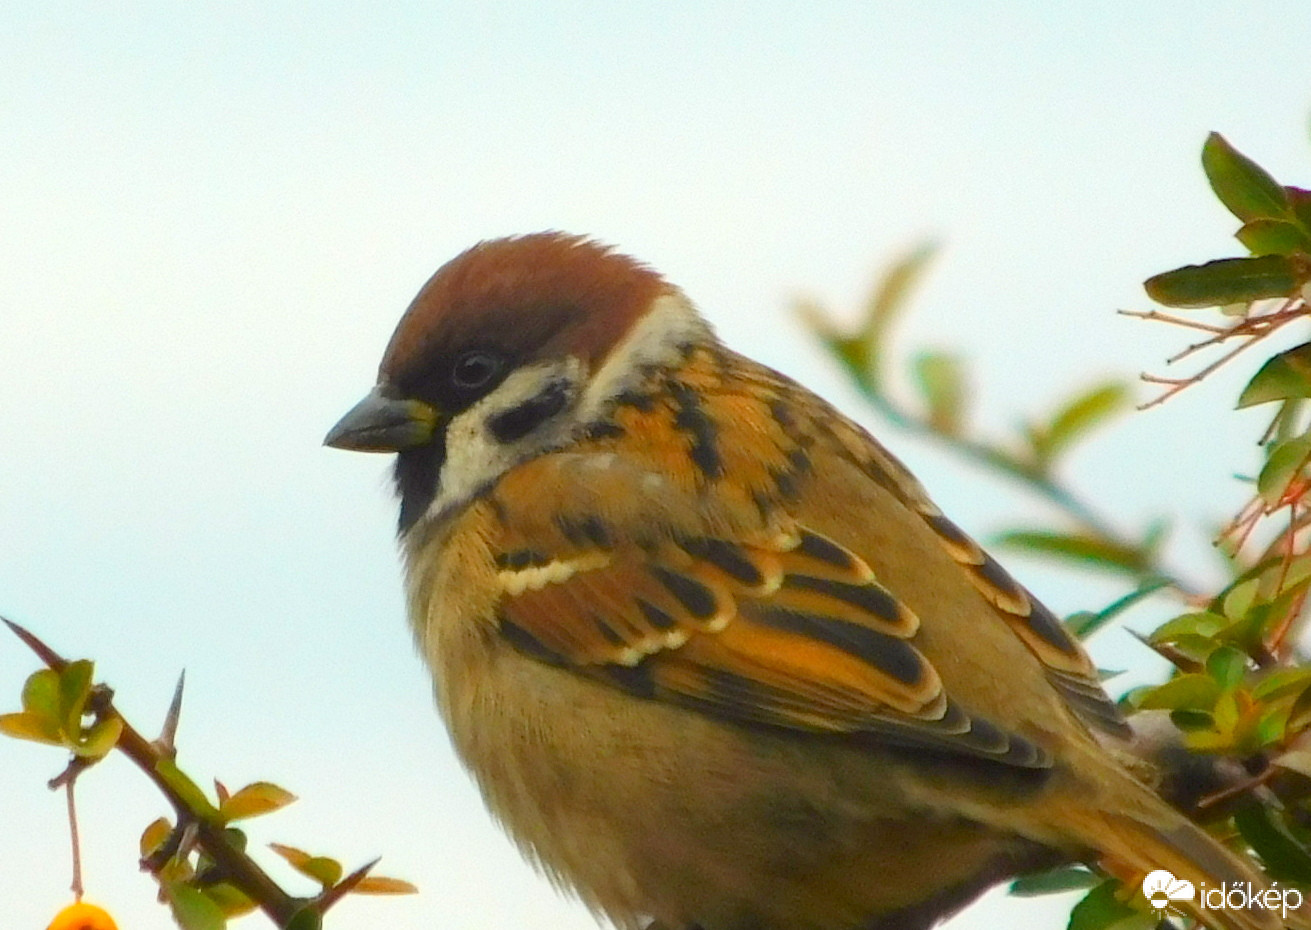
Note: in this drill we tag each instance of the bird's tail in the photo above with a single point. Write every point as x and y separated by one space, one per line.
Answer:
1179 866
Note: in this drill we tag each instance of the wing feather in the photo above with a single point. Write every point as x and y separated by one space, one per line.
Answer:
786 629
615 562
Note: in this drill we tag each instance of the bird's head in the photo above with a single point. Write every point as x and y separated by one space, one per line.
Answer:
507 352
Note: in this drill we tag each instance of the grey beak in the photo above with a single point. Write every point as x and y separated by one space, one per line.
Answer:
380 423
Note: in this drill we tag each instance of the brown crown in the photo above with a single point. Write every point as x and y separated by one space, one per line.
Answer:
541 295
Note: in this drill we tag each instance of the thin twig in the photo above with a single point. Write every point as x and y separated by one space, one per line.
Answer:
76 841
1251 329
1182 383
1159 317
1237 790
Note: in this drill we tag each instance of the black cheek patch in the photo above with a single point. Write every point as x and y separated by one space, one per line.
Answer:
416 474
517 422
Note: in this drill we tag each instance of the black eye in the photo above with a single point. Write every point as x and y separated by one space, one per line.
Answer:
474 370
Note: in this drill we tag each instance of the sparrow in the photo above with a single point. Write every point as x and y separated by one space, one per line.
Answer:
711 653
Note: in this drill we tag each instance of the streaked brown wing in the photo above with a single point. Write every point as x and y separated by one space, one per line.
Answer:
789 630
1069 669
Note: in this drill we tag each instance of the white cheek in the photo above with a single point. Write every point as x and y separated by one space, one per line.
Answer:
474 458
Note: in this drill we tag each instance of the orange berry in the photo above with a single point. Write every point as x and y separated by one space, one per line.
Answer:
82 916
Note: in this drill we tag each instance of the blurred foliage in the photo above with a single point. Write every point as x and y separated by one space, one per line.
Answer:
1239 689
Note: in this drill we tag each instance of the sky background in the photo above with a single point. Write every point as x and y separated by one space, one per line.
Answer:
212 216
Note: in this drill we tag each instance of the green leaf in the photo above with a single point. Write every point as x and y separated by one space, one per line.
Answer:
1191 648
1281 683
852 352
327 872
1128 701
1226 281
236 838
98 739
1243 574
1246 633
861 352
1271 725
1085 623
307 918
1287 422
1285 375
257 798
1227 666
154 836
230 899
1077 417
1283 463
941 380
1183 692
1301 203
1056 881
1241 184
74 689
1299 715
1238 600
192 909
1285 859
1293 571
41 694
1202 623
1101 909
1273 237
323 869
35 727
1225 714
889 299
1191 721
1076 548
176 869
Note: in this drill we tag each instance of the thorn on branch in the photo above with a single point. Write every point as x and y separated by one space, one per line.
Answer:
331 896
43 652
166 743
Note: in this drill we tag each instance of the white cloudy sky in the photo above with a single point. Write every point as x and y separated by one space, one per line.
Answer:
213 214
